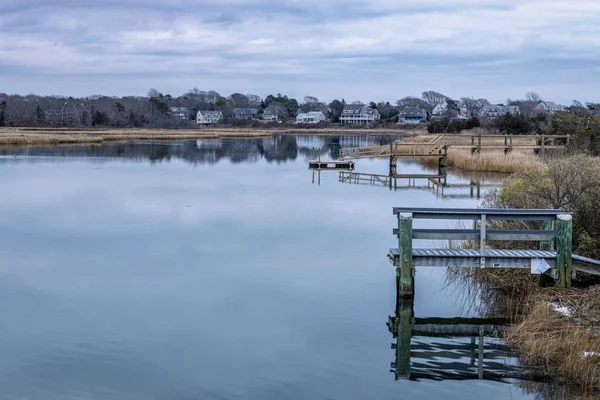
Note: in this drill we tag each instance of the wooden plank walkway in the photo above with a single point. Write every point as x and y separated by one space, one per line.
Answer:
472 258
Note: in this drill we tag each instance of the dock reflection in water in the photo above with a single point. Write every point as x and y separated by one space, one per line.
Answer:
451 348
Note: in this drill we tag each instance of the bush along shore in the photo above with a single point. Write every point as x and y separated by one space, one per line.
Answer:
556 328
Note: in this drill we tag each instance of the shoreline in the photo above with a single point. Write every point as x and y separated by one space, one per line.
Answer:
458 159
24 136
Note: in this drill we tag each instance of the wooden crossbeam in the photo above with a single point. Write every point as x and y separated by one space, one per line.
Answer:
475 234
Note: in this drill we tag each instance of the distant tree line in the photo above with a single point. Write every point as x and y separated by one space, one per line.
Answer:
154 110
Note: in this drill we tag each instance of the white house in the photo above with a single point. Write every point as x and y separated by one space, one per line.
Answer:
209 117
439 111
180 112
312 117
548 107
493 111
359 114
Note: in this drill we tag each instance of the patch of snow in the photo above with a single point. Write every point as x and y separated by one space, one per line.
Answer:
564 310
591 354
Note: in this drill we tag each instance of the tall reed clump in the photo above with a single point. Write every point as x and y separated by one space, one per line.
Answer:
489 161
555 329
561 345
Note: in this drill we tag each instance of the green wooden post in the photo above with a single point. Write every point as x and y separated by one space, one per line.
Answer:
547 226
511 138
479 144
564 249
405 270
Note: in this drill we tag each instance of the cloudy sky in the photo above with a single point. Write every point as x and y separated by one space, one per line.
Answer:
355 49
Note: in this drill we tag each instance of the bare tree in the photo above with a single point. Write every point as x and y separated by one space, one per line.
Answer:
452 108
578 108
433 99
411 101
312 103
386 109
276 108
254 100
153 93
473 106
238 100
533 96
212 97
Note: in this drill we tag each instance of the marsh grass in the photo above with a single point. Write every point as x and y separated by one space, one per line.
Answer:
54 136
489 161
556 342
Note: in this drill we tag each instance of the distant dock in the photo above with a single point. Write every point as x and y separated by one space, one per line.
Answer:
339 165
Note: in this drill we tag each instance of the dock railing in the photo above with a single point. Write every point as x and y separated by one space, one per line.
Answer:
555 238
475 143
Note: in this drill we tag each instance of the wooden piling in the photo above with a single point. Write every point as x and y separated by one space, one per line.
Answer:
564 243
405 271
543 144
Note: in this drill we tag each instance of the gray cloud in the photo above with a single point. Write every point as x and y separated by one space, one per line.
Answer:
350 48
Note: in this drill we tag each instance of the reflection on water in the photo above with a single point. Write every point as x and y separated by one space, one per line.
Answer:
216 270
451 348
278 148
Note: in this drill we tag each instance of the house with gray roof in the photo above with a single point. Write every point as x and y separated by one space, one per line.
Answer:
180 112
311 117
209 117
359 114
412 115
548 107
244 113
493 111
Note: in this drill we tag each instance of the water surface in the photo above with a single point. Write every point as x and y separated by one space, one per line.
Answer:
218 270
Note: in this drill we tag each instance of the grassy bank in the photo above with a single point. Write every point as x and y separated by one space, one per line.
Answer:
54 136
557 330
490 161
487 161
460 157
560 331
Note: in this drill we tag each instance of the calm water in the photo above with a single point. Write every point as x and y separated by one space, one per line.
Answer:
218 270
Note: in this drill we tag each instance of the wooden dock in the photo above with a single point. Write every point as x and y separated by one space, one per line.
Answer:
474 143
554 237
337 165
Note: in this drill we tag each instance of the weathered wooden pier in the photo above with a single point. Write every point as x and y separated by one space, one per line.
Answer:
554 236
318 165
474 143
332 165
